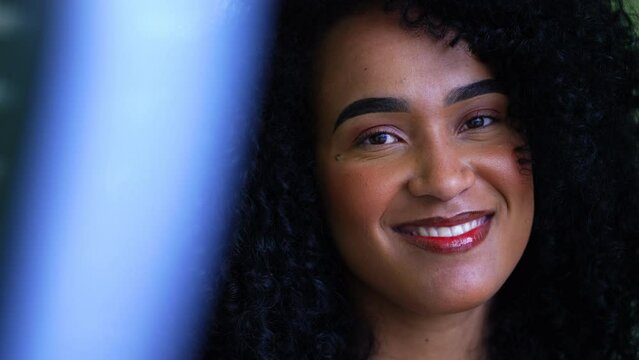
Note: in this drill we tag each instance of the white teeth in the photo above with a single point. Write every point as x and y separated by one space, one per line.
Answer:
447 231
457 230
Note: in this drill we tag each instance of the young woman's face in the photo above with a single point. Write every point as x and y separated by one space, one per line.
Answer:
424 195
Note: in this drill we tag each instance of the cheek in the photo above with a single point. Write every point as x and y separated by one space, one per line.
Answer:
356 196
503 175
514 182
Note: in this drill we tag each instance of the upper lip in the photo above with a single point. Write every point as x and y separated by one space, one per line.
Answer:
447 221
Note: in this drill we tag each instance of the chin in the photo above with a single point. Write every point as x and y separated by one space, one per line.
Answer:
456 291
454 303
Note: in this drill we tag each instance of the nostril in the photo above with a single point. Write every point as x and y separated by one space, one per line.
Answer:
443 183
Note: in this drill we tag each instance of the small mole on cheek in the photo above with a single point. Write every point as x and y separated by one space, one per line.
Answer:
426 340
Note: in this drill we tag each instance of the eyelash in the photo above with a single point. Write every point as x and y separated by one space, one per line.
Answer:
368 135
492 119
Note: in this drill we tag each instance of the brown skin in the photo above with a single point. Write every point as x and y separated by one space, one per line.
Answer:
430 160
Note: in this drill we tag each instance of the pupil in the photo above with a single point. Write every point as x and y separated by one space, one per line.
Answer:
379 138
477 122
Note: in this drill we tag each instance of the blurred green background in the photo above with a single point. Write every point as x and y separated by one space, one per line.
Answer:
21 35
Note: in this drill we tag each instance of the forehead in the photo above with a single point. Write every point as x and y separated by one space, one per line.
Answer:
371 55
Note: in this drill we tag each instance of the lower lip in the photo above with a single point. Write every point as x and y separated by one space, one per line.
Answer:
452 244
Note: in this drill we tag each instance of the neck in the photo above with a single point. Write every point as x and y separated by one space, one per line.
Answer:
404 334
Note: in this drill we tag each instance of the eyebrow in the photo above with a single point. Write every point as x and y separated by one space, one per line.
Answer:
391 104
371 105
475 89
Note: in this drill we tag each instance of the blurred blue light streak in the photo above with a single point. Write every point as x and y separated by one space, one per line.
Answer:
132 162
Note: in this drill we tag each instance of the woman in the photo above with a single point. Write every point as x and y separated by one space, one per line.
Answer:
405 149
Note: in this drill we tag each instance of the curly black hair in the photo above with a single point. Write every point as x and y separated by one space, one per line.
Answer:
571 69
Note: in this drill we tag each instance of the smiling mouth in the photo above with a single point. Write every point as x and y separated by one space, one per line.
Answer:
457 234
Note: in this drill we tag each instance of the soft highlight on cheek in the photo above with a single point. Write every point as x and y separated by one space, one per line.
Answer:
354 189
504 166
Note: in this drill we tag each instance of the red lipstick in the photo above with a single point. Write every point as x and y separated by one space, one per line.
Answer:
457 234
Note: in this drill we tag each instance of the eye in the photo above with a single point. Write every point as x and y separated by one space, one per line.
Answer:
478 122
378 138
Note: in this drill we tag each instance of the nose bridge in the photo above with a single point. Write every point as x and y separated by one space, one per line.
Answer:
441 170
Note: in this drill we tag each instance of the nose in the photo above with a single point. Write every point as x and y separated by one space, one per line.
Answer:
441 172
